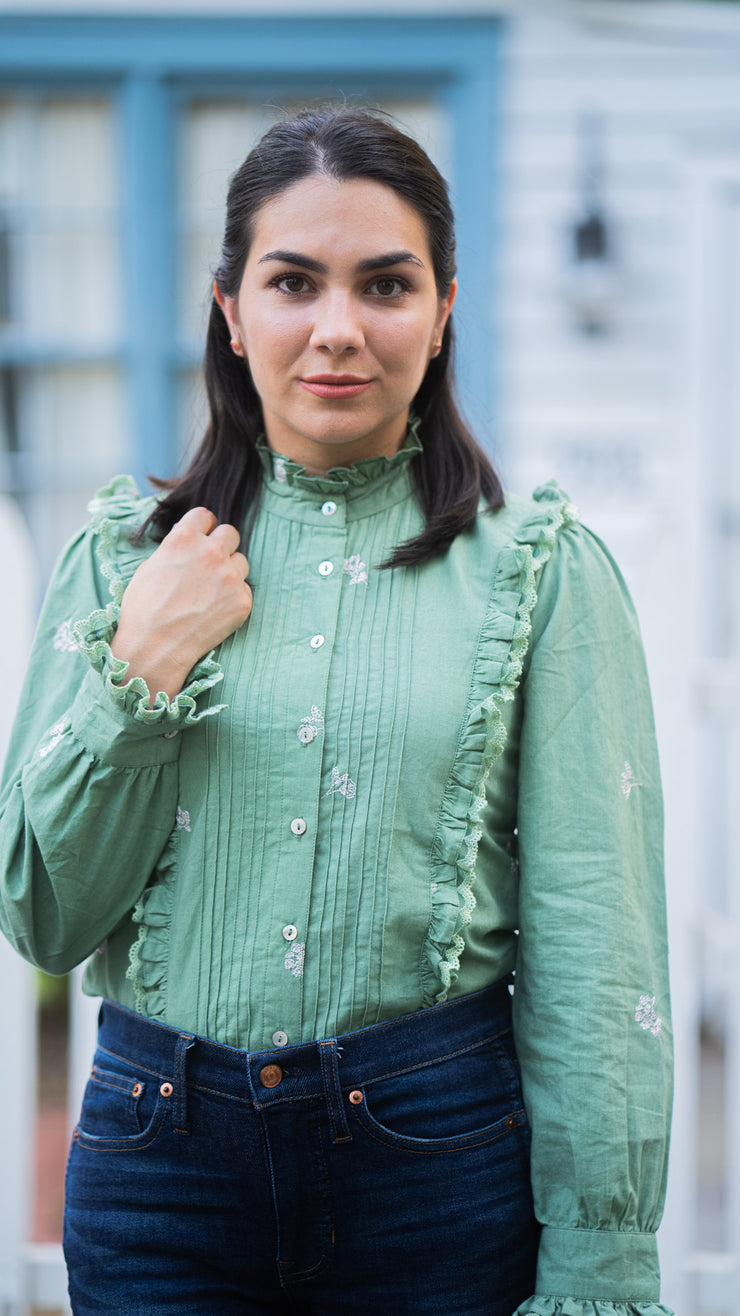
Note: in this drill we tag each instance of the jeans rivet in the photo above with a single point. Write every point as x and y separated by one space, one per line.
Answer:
136 1090
510 1122
356 1097
166 1090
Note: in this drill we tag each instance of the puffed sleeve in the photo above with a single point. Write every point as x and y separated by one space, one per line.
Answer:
89 791
591 1003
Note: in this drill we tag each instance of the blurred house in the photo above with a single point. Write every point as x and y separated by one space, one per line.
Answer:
594 154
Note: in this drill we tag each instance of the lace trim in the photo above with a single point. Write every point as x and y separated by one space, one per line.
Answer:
508 623
93 635
115 512
115 502
149 953
551 1306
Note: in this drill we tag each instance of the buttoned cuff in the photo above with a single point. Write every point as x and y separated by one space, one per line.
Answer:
608 1265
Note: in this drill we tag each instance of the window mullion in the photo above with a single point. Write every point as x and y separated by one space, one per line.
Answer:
147 245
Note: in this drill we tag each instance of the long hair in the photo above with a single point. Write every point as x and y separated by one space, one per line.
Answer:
452 473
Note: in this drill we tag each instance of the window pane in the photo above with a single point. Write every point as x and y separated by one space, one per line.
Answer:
62 423
76 419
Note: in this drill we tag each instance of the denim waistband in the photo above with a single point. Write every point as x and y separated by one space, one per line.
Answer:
311 1069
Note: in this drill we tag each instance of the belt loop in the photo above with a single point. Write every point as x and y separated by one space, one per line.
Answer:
330 1071
180 1114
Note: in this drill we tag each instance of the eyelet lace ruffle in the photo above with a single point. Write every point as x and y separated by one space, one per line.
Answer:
115 513
149 953
94 634
587 1307
502 649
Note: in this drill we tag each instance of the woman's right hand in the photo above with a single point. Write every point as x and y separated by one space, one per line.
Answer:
183 601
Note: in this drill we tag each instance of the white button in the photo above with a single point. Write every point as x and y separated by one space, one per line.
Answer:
306 734
326 568
317 641
298 826
280 1038
290 932
329 508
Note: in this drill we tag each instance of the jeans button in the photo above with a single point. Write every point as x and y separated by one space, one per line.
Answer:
270 1076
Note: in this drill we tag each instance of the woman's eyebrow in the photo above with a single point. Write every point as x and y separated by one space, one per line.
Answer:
390 258
362 267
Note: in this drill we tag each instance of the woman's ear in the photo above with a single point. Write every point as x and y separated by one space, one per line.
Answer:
444 315
228 306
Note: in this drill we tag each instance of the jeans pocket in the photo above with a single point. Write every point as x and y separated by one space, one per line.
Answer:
457 1100
124 1107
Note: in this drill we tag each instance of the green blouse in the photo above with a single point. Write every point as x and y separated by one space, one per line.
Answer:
389 788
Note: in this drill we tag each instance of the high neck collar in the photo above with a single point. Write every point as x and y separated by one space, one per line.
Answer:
282 474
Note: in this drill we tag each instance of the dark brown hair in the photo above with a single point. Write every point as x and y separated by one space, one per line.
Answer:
452 473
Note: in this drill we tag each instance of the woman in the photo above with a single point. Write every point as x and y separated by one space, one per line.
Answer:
296 810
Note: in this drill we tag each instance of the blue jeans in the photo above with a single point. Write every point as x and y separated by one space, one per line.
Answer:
386 1171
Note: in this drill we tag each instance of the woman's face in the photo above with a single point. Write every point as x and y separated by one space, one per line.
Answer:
338 317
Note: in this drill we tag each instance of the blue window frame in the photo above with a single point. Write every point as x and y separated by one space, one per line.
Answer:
149 65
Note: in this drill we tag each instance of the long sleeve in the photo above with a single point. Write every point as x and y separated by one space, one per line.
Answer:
89 793
591 1004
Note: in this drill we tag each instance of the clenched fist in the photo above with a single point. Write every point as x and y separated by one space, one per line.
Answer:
182 601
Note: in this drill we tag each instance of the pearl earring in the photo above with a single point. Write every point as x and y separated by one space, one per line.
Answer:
236 346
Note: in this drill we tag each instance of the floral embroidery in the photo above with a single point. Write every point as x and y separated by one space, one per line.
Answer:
278 467
294 958
629 781
55 734
513 853
434 887
64 640
646 1017
182 822
356 570
310 725
342 782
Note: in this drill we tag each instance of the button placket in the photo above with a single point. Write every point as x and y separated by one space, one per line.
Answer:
318 603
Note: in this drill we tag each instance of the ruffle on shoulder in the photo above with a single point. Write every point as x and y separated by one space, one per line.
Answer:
116 512
149 953
93 636
588 1307
502 649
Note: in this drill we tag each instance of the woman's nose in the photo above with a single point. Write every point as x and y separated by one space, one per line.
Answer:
337 325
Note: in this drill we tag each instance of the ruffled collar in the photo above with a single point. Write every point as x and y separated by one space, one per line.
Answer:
280 471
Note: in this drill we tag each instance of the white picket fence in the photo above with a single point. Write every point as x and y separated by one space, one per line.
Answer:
696 1283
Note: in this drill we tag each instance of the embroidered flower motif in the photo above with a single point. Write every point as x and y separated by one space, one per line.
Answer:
356 570
629 781
309 727
294 958
433 887
513 853
342 782
64 640
182 821
278 468
55 734
646 1017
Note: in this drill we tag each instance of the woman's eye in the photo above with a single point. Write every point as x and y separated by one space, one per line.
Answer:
388 287
291 283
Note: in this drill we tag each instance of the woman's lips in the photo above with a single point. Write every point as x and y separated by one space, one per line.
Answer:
336 386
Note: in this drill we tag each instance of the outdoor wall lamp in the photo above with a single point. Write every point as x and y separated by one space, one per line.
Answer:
591 281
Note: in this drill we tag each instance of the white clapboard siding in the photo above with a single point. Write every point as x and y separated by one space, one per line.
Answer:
622 422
